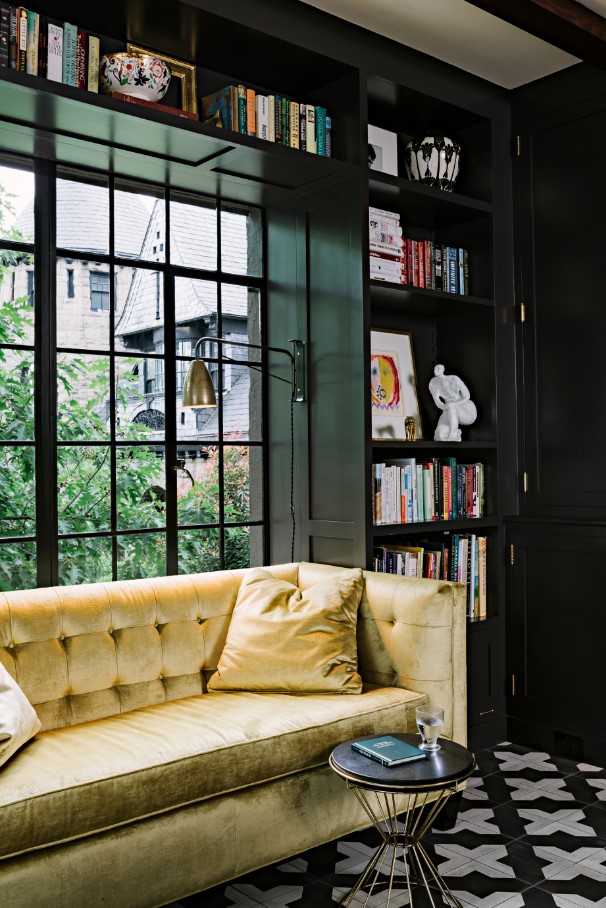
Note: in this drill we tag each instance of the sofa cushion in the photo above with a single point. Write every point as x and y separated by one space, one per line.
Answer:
75 781
283 639
18 719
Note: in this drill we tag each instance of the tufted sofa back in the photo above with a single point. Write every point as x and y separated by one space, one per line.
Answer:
95 650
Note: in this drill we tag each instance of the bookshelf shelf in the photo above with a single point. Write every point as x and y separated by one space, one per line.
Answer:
418 301
77 127
423 205
429 445
409 529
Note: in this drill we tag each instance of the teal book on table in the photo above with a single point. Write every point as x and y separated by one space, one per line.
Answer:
388 750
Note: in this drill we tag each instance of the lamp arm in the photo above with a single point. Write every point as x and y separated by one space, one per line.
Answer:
297 373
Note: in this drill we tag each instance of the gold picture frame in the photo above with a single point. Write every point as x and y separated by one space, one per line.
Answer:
185 72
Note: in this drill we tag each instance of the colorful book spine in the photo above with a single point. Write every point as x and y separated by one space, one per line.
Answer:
329 137
54 65
42 47
461 270
21 39
81 58
302 127
262 117
5 26
278 119
294 120
12 39
451 269
321 131
92 74
33 39
217 108
251 112
271 118
70 39
242 108
285 113
310 128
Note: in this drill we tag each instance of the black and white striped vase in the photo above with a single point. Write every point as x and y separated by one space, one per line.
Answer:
433 159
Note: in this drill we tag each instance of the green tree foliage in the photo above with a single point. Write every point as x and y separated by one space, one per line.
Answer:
84 470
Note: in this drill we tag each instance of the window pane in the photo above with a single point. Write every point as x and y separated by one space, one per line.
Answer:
140 487
84 489
83 301
238 543
241 240
199 551
16 313
193 233
241 310
16 395
17 491
87 560
199 503
238 504
139 387
17 188
83 216
139 320
18 566
195 309
140 223
141 555
82 397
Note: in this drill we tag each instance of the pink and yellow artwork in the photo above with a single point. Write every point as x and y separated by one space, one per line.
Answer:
385 384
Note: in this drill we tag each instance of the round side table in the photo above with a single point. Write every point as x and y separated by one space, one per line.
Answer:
426 785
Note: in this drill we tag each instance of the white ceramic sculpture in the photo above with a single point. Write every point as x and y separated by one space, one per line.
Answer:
451 395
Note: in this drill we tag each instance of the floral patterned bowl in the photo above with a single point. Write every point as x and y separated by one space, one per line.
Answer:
140 76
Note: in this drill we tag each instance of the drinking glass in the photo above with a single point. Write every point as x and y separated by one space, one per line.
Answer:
430 720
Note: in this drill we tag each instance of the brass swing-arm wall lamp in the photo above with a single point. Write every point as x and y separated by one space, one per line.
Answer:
198 389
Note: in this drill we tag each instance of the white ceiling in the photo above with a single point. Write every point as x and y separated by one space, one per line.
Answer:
459 33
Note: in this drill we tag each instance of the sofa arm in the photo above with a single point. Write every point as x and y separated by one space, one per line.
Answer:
412 634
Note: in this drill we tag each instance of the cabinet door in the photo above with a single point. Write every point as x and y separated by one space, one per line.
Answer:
485 683
562 255
556 625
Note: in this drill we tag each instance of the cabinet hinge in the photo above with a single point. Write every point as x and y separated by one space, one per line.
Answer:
512 554
513 685
522 312
518 145
525 482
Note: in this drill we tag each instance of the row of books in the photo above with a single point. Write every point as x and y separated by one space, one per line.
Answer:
273 117
461 557
418 263
40 46
407 491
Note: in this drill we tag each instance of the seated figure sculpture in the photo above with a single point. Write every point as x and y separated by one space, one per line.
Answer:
451 395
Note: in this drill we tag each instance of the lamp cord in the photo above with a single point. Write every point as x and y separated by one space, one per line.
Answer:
292 478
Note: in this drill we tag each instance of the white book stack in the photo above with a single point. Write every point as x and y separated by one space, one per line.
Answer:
386 246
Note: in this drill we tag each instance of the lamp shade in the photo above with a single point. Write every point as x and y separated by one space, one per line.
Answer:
198 390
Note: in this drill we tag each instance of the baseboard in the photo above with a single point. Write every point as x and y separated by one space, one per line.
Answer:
560 739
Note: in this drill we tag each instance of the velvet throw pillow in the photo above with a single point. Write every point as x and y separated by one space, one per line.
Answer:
286 640
18 719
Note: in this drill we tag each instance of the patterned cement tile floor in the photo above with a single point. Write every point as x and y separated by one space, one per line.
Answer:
531 833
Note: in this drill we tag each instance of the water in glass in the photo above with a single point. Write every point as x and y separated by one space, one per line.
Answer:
429 722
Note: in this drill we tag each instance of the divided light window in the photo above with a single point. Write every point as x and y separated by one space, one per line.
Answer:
110 478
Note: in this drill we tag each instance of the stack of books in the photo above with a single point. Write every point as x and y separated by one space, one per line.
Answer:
460 557
407 491
417 263
59 51
272 117
387 247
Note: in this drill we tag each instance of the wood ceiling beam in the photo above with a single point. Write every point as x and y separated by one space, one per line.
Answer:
564 23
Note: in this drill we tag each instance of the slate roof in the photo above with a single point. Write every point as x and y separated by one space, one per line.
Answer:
235 412
83 219
193 244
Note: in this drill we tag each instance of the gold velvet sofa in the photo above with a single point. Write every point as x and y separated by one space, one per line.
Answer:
141 786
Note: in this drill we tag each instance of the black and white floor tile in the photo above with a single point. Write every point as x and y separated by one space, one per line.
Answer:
531 833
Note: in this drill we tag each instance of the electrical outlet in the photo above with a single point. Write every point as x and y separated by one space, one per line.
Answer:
567 745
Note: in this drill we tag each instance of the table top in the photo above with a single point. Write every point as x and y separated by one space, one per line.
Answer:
452 763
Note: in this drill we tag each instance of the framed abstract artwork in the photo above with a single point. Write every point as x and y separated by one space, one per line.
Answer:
393 384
